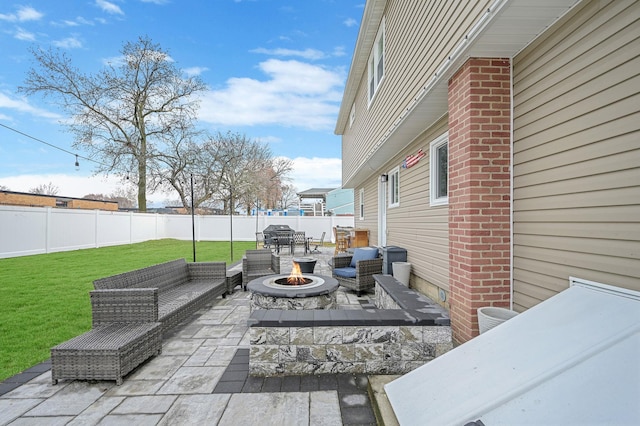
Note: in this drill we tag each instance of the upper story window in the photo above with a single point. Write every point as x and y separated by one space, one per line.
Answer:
376 63
394 187
439 179
361 205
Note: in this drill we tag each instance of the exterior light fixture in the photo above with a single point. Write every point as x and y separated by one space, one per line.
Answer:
384 178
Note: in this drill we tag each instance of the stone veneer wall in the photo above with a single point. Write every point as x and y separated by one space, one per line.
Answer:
384 300
322 301
361 349
389 340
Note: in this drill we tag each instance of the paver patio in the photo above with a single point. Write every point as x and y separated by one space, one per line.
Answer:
201 377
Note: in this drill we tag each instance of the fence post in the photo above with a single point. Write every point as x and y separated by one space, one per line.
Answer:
47 230
96 225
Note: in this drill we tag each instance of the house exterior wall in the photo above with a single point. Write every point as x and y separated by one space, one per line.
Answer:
573 138
33 200
340 202
36 200
413 225
576 206
435 28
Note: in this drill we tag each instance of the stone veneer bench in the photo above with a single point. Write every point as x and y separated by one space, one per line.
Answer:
394 339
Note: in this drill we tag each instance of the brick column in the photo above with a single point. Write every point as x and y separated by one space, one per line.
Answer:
479 191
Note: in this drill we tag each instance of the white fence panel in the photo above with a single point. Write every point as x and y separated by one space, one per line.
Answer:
35 230
71 230
112 228
23 230
145 227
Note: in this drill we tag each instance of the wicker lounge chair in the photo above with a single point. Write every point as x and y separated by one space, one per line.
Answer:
259 263
355 271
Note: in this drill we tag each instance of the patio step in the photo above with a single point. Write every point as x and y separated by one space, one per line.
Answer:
379 401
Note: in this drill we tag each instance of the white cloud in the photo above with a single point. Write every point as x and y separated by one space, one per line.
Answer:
27 13
350 22
68 43
23 14
24 106
24 35
338 51
159 2
269 139
296 94
73 23
306 54
109 7
192 71
316 173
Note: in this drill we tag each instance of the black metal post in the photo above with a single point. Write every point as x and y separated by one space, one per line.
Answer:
193 222
231 221
257 222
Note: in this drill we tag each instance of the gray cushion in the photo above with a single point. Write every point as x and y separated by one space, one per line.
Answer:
363 253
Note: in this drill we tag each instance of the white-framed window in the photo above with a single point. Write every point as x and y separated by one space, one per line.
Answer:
352 115
376 63
361 203
393 184
439 171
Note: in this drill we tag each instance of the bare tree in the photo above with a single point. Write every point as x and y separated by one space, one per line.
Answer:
45 189
125 198
245 168
186 163
288 196
122 114
4 188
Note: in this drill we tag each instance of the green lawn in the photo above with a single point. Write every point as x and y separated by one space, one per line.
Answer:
44 299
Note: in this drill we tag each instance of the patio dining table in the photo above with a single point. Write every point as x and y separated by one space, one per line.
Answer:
283 238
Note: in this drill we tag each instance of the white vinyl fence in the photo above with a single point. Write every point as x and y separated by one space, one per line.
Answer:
35 230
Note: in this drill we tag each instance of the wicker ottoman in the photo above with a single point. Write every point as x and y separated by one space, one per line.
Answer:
107 352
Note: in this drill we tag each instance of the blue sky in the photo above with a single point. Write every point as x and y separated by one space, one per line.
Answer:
275 70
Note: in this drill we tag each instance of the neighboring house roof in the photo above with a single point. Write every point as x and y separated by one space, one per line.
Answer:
315 193
572 359
505 29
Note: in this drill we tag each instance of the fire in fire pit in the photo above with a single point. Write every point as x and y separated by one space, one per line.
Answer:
295 278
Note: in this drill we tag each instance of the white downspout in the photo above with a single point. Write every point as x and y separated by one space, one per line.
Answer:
511 187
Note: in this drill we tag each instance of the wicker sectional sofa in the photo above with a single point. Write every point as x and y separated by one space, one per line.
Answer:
131 313
173 291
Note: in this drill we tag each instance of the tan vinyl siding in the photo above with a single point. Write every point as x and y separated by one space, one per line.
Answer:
577 153
370 221
436 28
422 230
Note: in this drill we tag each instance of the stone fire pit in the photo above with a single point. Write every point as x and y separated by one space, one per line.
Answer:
273 292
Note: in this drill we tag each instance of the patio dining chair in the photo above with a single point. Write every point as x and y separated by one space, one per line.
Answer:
261 241
299 239
318 243
342 242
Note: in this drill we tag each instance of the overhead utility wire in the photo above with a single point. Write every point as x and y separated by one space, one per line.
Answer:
51 145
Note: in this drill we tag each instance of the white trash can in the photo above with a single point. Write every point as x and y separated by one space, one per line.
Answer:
402 272
490 316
